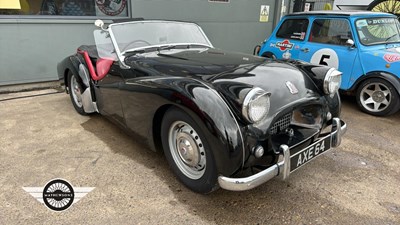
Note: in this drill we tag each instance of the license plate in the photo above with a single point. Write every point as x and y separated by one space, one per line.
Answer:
307 154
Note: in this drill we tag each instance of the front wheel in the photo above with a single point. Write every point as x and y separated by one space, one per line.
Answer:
378 97
188 152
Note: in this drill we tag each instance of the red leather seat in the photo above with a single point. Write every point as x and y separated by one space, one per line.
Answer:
102 67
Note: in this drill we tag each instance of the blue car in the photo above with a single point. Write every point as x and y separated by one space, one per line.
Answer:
364 45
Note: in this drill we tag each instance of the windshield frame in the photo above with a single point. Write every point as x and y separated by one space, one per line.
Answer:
397 24
121 55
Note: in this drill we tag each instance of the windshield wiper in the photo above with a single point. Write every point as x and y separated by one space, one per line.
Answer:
394 35
180 46
166 47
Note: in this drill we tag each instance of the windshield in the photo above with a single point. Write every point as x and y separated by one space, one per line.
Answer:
372 31
133 36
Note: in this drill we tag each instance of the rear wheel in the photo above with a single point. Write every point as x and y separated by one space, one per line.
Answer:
188 151
378 97
75 92
269 55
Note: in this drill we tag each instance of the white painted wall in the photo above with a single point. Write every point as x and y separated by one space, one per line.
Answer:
351 5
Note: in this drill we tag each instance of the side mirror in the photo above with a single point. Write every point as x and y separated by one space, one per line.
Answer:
350 43
100 24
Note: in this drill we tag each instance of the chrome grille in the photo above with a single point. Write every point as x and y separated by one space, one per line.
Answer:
281 124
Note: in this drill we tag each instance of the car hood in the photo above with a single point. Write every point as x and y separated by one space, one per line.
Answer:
203 63
232 74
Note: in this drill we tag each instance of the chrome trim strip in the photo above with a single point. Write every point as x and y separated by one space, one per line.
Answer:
340 129
281 168
121 58
84 74
247 183
284 165
88 105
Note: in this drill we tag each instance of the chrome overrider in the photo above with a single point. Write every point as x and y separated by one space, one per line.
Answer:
282 168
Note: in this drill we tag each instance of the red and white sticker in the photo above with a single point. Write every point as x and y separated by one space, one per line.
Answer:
284 45
391 58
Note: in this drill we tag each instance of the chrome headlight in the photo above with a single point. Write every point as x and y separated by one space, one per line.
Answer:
332 81
256 105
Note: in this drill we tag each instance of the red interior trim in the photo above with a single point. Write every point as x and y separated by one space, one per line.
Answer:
89 64
103 64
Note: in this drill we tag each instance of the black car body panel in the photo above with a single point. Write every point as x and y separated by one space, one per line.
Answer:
210 85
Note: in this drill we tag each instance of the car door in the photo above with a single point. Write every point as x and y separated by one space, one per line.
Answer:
326 45
109 98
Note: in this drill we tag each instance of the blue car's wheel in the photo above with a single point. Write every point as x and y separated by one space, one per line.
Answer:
188 152
378 97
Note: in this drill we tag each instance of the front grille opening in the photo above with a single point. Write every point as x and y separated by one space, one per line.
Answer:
281 124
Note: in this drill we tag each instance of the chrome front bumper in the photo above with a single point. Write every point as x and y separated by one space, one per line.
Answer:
282 168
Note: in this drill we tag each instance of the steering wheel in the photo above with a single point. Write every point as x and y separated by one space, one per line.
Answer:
135 44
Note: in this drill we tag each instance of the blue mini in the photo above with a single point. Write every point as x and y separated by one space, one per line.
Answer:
364 45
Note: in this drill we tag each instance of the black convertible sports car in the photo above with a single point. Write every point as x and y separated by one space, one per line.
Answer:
223 119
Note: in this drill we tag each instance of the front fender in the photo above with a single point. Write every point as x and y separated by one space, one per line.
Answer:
391 78
204 104
71 63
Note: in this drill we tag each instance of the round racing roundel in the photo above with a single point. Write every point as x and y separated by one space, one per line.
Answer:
325 56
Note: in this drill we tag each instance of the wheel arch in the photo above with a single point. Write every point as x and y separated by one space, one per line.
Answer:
268 54
156 128
221 128
389 77
69 64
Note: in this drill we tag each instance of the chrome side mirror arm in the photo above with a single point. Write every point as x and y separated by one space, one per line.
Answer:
100 24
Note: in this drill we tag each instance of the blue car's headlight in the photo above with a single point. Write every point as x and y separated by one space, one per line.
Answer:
332 81
256 105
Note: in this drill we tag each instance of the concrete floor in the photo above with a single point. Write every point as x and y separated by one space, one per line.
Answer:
42 138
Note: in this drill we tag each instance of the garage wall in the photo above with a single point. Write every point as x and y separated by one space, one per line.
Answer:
232 26
30 48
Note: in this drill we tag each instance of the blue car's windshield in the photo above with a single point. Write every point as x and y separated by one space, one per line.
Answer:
373 31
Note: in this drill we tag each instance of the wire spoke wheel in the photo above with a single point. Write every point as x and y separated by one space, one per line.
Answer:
389 6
